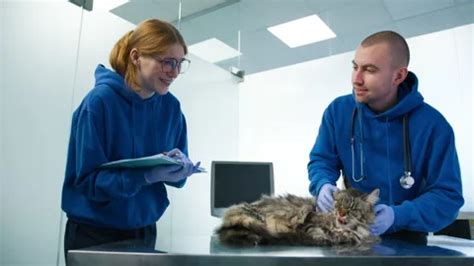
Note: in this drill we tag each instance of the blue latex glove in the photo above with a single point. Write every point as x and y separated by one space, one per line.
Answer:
180 156
172 173
384 218
325 200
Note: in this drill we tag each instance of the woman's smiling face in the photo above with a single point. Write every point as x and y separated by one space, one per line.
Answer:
151 76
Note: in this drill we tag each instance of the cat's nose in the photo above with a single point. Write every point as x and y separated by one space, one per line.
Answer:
341 212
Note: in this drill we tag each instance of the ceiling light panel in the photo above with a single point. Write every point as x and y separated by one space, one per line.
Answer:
302 31
213 50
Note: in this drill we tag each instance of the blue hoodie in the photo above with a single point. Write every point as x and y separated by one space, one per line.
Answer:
114 123
436 197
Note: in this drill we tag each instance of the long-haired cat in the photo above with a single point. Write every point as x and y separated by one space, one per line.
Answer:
293 220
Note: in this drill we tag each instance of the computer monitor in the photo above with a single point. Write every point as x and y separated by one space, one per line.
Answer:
236 182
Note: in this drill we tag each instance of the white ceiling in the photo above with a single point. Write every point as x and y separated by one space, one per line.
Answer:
351 20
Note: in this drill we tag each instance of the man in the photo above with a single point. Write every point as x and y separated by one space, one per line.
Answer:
385 136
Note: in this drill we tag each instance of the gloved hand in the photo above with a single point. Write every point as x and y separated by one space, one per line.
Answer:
325 200
180 156
172 173
384 218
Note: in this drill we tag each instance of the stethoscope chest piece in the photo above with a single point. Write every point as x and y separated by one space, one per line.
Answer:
407 181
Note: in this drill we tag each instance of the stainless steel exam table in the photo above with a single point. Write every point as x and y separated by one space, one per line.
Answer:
202 250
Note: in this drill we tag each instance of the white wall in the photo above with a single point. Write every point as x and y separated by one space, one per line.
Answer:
38 56
100 31
281 109
2 185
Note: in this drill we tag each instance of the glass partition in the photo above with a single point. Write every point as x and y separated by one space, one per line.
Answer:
38 70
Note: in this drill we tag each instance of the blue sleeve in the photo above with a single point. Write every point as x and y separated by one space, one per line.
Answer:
324 164
441 198
99 184
182 145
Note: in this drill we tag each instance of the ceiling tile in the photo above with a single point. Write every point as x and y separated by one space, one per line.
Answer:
400 9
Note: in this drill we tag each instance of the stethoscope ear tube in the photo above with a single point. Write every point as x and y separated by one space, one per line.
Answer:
406 181
406 146
361 177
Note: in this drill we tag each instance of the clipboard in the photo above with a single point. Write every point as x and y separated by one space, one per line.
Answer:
148 161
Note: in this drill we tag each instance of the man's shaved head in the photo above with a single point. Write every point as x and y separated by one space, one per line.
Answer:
399 50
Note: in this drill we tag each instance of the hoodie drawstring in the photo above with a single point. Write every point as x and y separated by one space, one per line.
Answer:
389 172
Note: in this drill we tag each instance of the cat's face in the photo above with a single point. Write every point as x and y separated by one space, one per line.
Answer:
352 208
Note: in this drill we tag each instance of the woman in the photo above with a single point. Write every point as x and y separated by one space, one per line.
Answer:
128 114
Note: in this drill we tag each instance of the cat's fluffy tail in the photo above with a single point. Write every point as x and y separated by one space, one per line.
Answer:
239 236
241 228
243 225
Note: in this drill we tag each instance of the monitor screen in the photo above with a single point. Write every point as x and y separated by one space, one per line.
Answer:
236 182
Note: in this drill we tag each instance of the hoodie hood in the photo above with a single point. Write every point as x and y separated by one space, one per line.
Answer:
408 99
112 79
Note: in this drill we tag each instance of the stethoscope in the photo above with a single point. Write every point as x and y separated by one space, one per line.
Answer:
406 181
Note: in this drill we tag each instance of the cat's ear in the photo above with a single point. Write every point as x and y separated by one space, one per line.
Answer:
373 196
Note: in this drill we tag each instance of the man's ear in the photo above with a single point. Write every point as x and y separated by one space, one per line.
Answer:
400 76
135 57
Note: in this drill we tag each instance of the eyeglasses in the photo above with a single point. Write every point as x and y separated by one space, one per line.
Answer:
170 64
